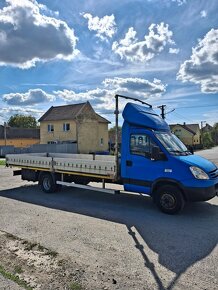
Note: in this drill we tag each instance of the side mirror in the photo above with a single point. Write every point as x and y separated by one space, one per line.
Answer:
155 153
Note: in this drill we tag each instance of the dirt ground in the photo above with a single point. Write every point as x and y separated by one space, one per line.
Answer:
36 266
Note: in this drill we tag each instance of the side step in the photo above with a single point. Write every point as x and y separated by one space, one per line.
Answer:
88 187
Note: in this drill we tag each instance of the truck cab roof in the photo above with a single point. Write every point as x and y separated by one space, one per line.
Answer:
144 116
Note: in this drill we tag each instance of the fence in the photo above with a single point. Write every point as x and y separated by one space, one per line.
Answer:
39 148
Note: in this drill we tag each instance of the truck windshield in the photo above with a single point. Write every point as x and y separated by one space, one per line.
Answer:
172 143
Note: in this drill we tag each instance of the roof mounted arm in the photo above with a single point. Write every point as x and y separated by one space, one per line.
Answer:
133 99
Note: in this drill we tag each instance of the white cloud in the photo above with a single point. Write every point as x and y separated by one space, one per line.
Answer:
202 67
103 98
105 26
7 112
174 50
203 13
28 36
142 51
180 2
32 97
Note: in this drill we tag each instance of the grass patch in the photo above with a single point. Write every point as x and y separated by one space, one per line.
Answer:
2 162
14 278
18 269
75 286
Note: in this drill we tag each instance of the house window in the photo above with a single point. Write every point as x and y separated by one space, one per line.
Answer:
101 141
66 127
50 128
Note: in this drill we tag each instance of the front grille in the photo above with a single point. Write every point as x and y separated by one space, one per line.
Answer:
213 174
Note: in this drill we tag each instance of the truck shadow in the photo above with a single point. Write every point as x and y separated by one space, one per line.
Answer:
180 241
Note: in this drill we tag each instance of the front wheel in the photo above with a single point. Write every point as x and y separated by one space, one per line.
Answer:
169 199
47 183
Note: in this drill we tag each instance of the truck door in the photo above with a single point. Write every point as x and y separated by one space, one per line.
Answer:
141 170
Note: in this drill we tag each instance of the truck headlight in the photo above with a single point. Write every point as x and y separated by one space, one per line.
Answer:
198 173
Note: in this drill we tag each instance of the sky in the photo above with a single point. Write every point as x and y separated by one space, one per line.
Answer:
164 52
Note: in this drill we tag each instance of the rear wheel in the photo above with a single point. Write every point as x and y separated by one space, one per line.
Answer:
169 199
47 183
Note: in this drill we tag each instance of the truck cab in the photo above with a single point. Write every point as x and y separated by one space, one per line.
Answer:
155 162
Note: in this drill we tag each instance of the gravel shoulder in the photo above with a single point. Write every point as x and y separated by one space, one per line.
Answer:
118 242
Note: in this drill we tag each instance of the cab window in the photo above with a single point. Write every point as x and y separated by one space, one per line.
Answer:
141 144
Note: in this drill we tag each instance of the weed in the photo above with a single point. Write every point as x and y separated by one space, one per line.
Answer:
2 162
60 263
14 278
10 236
40 248
18 269
30 246
75 286
51 253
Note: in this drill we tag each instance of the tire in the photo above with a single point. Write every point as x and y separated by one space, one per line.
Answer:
47 183
169 199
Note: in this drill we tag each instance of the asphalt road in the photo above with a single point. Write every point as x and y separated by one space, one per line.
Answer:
124 235
211 154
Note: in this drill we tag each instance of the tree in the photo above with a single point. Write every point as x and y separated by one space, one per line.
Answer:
214 133
207 140
22 121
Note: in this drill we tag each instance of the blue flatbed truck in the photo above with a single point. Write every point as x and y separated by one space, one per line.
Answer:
153 161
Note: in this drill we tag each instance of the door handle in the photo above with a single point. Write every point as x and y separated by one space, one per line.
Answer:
128 162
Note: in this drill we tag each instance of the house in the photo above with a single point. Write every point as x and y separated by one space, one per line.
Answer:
207 128
18 137
189 134
76 123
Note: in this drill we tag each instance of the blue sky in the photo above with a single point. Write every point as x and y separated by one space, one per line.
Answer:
62 52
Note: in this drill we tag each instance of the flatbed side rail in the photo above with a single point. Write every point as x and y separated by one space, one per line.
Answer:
99 168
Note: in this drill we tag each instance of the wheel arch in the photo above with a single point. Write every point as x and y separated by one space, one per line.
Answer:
167 181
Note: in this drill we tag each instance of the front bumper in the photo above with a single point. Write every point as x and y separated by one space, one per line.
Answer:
200 193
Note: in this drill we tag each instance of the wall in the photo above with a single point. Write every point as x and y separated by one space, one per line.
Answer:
87 136
197 138
58 134
103 133
21 142
185 136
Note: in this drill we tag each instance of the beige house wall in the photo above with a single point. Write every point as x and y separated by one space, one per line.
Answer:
90 134
197 137
185 136
59 134
103 133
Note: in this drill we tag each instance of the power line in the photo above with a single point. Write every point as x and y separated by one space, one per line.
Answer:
182 117
197 107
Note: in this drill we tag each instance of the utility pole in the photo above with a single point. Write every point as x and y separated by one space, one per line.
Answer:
5 133
162 108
